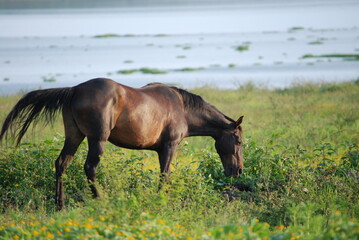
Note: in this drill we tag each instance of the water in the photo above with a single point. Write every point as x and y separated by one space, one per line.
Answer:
41 48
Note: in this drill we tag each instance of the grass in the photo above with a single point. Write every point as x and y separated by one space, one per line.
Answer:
300 179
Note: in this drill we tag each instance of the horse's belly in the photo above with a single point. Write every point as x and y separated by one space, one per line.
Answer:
135 136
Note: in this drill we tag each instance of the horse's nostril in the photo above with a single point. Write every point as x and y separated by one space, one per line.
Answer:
240 170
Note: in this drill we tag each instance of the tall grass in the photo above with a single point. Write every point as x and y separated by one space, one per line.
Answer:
300 179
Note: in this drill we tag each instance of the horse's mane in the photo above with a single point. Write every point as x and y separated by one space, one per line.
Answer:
191 101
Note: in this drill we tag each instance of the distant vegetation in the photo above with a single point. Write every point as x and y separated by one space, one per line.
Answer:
49 79
188 69
242 48
298 28
354 57
158 71
142 70
114 35
109 35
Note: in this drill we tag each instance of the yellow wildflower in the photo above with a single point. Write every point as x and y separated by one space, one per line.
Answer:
67 229
179 226
22 222
35 233
49 235
119 233
89 220
101 218
87 225
280 228
16 237
152 234
69 223
161 221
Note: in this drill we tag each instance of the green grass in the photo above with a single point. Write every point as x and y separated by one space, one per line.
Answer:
300 179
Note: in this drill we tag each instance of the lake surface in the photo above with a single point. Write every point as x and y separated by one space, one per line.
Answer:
222 46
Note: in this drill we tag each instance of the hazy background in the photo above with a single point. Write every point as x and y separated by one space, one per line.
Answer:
222 44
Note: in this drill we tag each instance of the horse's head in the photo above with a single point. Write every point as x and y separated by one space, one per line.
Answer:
229 148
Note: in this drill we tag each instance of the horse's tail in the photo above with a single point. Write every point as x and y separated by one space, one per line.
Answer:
34 106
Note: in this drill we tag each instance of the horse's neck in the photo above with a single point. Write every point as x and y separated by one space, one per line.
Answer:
207 123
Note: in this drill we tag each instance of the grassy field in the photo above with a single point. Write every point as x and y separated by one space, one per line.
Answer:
300 179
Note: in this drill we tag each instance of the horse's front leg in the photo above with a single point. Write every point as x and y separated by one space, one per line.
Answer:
165 155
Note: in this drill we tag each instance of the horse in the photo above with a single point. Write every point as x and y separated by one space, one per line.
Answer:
155 117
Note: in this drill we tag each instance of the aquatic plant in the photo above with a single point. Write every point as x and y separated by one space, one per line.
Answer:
127 71
151 71
108 35
315 43
292 29
189 69
49 79
242 48
353 57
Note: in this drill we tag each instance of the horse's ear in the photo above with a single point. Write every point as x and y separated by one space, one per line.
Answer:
239 121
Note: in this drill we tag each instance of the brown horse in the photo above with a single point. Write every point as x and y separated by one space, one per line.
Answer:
156 117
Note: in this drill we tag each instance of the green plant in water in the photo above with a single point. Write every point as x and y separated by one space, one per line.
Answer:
242 48
108 35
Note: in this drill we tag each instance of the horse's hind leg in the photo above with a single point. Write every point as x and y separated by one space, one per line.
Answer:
73 138
96 149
